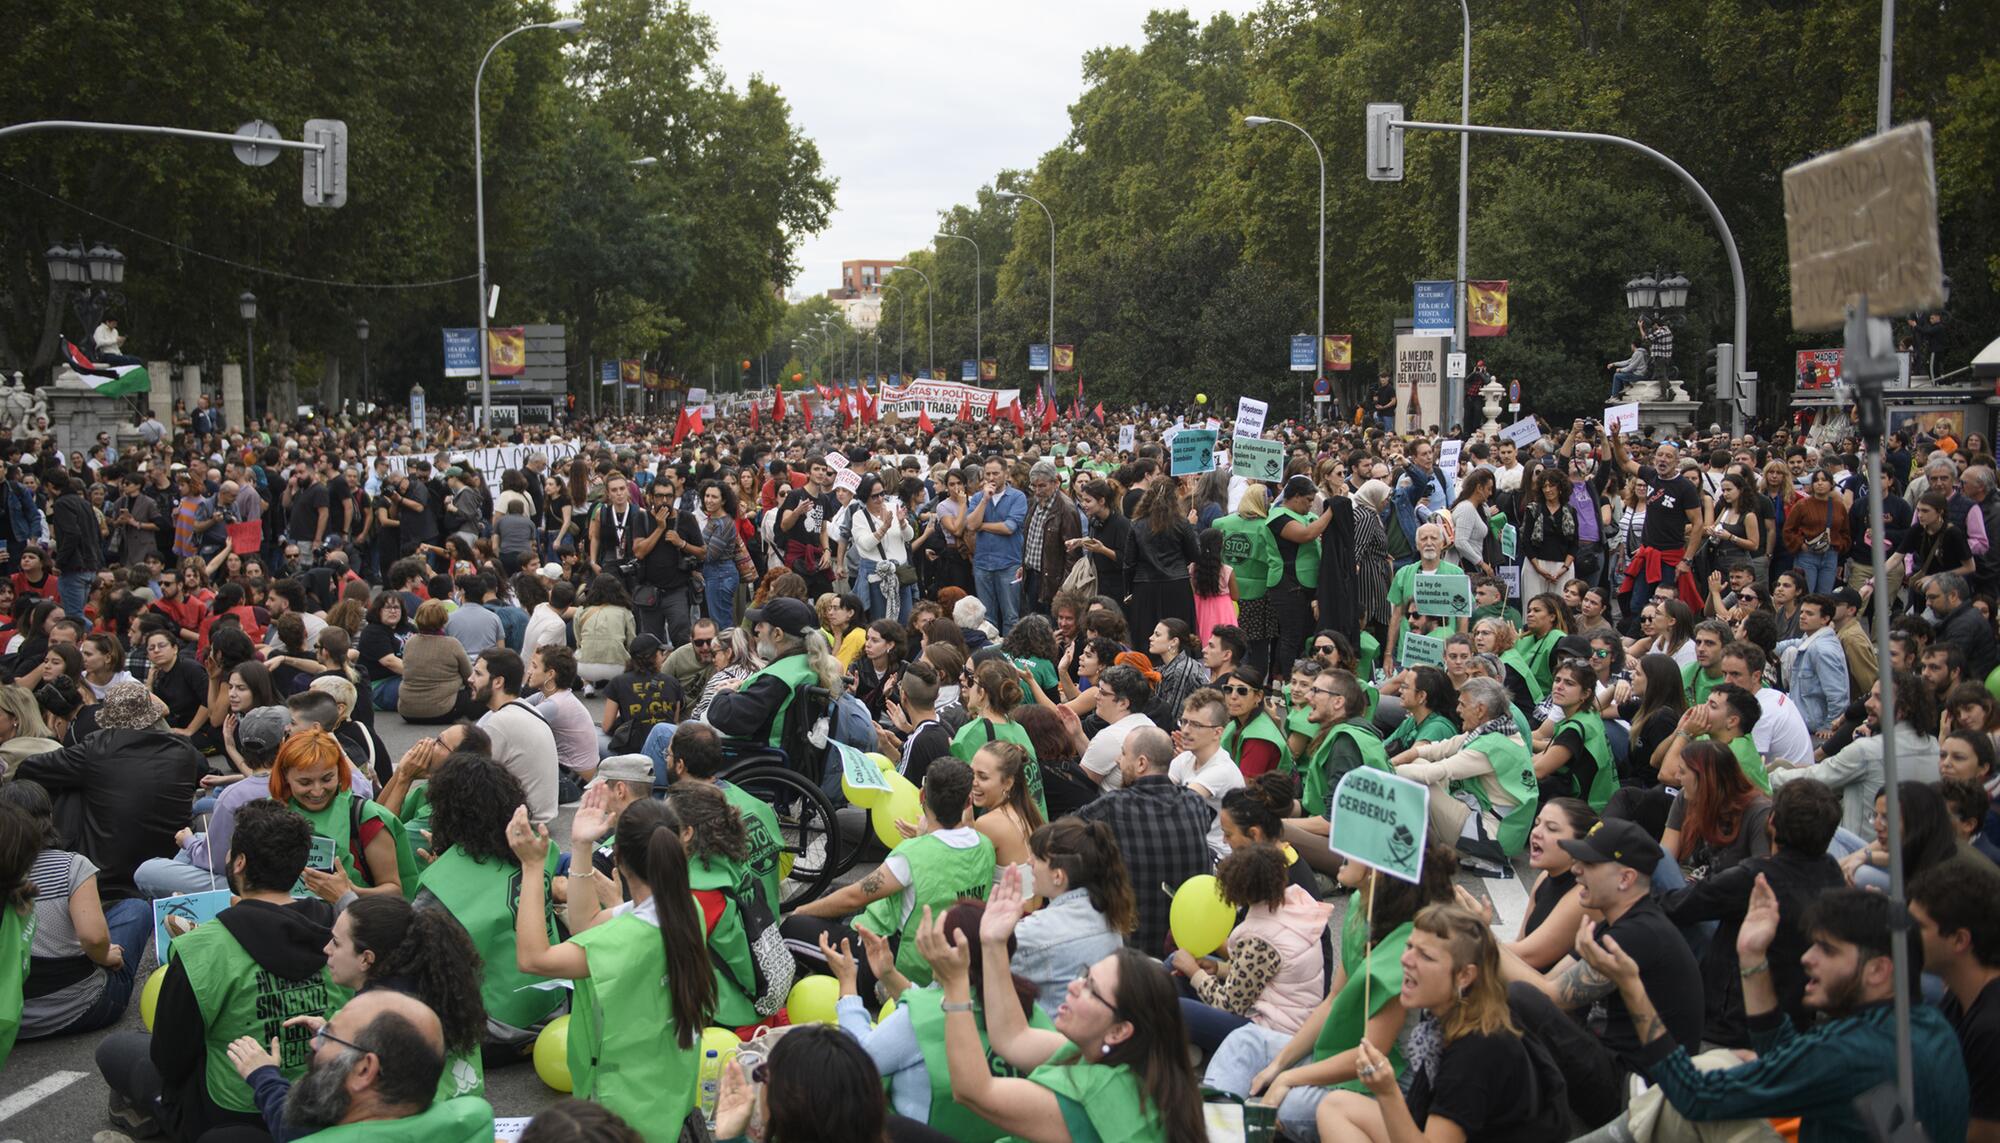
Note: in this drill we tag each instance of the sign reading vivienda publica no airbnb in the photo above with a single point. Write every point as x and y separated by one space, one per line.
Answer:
942 399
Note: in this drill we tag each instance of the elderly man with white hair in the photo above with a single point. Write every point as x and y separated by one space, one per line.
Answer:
1482 782
1976 510
970 615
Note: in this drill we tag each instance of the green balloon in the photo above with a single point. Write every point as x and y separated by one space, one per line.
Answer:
1993 683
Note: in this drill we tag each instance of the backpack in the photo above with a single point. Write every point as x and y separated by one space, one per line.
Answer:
772 962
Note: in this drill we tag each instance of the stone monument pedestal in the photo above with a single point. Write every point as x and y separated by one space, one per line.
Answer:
160 398
232 395
77 413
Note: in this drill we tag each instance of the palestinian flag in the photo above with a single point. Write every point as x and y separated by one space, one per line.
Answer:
110 380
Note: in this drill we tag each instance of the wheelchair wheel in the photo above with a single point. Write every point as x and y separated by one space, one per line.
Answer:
809 834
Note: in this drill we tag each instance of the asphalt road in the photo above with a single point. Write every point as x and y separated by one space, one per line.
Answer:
50 1091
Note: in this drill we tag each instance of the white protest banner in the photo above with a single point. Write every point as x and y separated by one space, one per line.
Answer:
696 397
837 461
1523 432
1128 437
1448 458
1193 450
848 479
1255 458
942 399
1622 418
491 462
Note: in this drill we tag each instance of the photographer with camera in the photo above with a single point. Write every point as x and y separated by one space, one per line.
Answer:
669 552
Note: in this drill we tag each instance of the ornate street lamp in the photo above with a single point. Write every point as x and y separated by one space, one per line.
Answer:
246 305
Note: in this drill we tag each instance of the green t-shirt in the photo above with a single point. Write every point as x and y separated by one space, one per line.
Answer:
1100 1101
1403 588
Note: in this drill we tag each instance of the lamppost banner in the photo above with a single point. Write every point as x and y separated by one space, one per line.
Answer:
1434 310
1065 358
968 370
989 369
1340 351
506 351
1038 359
1302 353
461 353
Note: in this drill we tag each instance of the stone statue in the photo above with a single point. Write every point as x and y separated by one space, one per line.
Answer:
19 408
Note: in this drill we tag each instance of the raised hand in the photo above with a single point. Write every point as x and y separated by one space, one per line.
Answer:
529 842
1760 923
593 818
1606 958
1004 907
881 958
949 960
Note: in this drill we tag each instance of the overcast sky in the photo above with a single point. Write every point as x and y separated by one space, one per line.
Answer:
1003 76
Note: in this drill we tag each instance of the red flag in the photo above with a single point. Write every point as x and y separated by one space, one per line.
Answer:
806 411
924 420
694 423
873 409
681 427
965 409
846 410
1014 414
1100 412
753 416
1048 415
992 407
778 405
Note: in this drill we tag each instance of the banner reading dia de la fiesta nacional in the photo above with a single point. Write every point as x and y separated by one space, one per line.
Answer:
942 399
1434 310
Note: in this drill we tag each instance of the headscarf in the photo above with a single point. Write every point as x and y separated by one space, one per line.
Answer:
1373 493
1141 664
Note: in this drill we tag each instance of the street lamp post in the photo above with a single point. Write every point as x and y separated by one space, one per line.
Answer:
901 326
930 320
361 335
1319 343
246 305
1454 395
978 273
90 276
1049 381
479 204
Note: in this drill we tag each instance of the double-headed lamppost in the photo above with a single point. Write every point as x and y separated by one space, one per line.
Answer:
246 305
1319 343
1048 381
978 272
361 335
479 204
91 277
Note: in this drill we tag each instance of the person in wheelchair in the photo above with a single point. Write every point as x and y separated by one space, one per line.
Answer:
754 712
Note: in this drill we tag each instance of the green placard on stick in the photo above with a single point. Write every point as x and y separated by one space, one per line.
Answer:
1254 458
1193 451
859 770
1380 819
1422 650
1442 595
1508 539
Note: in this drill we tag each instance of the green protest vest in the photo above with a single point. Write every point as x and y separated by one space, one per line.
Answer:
416 813
1319 784
1251 552
337 822
1260 729
980 731
623 1052
464 1074
1495 611
939 876
796 672
239 997
1604 783
17 938
767 847
927 1024
733 1008
468 1119
1346 1022
1306 565
1530 656
1696 683
1434 728
484 895
1514 769
1298 721
1371 649
1752 762
1104 1102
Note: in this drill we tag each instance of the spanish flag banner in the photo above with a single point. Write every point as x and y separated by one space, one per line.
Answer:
937 374
631 371
652 379
507 352
1065 358
989 369
1486 309
1339 351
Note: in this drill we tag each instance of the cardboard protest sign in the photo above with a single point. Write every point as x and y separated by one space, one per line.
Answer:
1444 595
1523 432
1622 418
1250 414
1381 820
175 915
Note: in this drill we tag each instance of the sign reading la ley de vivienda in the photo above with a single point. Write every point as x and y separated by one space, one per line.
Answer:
1444 595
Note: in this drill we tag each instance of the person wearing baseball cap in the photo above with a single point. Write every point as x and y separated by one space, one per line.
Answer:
755 711
1615 864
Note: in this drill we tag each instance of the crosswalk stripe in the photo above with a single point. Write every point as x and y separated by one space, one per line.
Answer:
36 1092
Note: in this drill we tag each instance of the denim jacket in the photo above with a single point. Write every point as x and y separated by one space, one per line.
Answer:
24 517
1056 943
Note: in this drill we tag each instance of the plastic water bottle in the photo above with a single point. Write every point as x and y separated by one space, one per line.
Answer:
711 1086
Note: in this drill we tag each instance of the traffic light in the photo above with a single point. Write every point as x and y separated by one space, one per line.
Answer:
1718 376
1385 143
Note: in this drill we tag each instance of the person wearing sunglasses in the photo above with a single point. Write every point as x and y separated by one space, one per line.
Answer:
1250 736
1577 762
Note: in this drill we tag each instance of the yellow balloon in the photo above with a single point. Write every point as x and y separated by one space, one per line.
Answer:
888 1006
786 860
723 1042
149 997
1201 398
552 1055
902 804
812 1000
1200 919
870 798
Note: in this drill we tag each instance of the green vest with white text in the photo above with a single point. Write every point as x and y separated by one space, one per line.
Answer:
467 1119
1250 552
483 895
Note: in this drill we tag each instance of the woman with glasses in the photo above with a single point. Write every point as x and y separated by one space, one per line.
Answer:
1116 1061
733 663
1577 762
881 533
644 986
1251 736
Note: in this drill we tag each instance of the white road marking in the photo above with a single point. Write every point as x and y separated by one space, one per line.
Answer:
1510 904
36 1092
